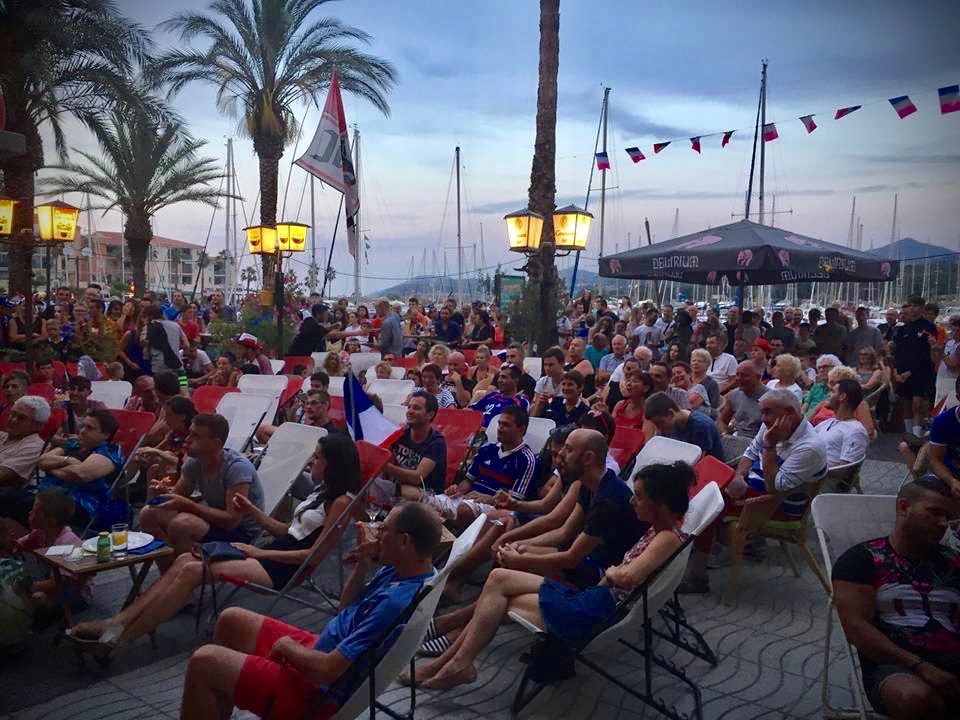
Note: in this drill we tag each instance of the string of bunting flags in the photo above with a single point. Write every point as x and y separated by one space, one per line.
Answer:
903 106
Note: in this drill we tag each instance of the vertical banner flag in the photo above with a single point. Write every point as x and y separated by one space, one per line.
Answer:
843 112
949 99
657 147
903 106
808 123
328 158
726 138
770 132
603 161
695 144
635 154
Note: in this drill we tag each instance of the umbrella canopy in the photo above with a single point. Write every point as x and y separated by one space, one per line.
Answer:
747 253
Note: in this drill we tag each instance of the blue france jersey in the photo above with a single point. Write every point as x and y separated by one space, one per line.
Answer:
513 471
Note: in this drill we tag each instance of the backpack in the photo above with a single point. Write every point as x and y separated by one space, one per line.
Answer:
16 609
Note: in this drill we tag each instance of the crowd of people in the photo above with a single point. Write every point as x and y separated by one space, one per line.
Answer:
566 536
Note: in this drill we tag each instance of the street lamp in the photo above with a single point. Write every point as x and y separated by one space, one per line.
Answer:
6 215
571 226
286 237
524 228
57 222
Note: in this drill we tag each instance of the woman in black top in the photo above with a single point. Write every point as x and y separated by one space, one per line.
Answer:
482 332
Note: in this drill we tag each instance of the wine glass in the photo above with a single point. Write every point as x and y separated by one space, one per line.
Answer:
373 510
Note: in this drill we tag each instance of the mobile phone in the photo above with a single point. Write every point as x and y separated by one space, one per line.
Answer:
158 500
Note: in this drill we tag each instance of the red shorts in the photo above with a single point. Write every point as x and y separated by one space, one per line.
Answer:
268 687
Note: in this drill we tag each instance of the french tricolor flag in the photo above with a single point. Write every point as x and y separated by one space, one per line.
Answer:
635 154
657 147
843 112
903 105
603 162
949 99
364 421
808 123
726 138
770 132
695 144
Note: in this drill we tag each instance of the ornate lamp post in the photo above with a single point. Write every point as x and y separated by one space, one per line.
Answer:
285 237
57 222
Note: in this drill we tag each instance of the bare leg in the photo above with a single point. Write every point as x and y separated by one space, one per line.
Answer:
503 589
238 629
478 554
906 697
186 530
455 619
208 688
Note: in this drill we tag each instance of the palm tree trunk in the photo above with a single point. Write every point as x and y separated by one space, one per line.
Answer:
542 271
138 234
18 183
269 152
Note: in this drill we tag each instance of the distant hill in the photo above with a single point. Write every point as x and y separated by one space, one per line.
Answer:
910 249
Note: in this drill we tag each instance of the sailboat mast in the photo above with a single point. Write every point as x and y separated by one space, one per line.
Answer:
603 185
459 245
227 243
356 218
763 144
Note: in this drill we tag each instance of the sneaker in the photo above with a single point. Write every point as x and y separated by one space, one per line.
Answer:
694 586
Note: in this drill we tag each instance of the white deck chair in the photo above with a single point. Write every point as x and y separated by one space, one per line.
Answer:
112 393
288 451
359 362
270 385
391 392
395 414
276 365
244 413
643 604
533 366
318 358
396 373
336 386
659 449
401 654
536 436
843 521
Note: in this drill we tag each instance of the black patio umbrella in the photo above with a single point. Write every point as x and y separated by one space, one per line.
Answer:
747 253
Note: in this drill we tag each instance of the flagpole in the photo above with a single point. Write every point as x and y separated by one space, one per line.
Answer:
356 218
333 243
313 240
603 185
763 143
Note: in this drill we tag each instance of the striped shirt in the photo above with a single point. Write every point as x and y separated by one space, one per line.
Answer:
494 469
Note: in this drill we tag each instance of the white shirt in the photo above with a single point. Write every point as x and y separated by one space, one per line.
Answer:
943 371
847 440
200 362
803 456
722 368
774 384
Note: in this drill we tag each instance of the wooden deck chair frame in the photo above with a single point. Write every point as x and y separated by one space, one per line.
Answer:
621 613
862 709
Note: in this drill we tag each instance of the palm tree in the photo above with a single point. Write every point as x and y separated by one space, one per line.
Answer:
248 275
542 269
264 57
144 165
58 59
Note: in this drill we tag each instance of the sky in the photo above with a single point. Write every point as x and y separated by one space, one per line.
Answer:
468 77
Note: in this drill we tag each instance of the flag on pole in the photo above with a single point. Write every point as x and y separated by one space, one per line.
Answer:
949 99
770 132
635 154
843 112
657 147
328 158
808 123
726 138
903 105
603 161
364 421
695 144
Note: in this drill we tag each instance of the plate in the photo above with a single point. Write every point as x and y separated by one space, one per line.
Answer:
135 540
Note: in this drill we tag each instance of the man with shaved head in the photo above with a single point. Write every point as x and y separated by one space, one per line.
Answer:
457 379
740 412
578 545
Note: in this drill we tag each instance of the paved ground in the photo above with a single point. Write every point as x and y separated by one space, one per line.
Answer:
770 649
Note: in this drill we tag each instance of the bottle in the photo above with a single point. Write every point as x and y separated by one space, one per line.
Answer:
103 547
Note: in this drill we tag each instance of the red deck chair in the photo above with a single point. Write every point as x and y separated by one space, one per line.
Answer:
47 392
458 428
291 361
372 459
6 367
294 385
709 469
58 416
60 377
206 397
133 426
405 362
337 414
627 442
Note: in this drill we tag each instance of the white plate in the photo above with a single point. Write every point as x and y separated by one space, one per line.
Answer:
135 540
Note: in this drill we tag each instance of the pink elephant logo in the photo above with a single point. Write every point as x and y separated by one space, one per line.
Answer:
745 257
784 257
615 266
699 242
885 270
712 277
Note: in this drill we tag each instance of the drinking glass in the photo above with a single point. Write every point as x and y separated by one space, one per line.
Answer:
118 539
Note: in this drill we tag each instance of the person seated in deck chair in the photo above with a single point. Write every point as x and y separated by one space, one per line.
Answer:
845 436
945 446
897 599
659 499
20 449
272 566
270 668
220 474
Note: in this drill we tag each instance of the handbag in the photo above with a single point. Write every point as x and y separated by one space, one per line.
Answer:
220 551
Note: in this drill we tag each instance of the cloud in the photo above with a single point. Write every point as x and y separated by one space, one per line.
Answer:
906 159
430 68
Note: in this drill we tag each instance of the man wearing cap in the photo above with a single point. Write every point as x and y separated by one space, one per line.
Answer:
249 351
760 353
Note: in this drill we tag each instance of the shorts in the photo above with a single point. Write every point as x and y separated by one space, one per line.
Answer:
266 688
922 386
876 677
237 535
